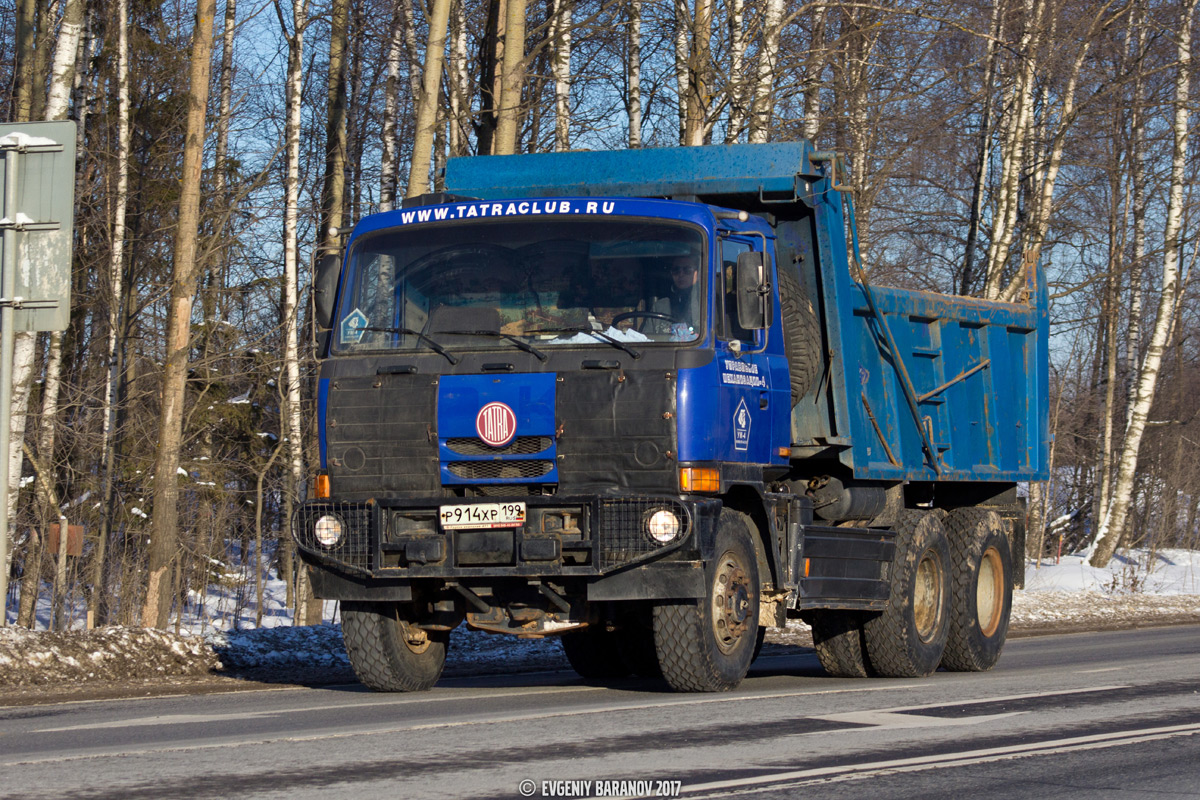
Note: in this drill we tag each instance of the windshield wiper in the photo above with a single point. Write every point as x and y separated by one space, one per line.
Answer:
526 346
615 342
434 346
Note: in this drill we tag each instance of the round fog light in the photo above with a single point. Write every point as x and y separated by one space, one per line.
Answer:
328 530
663 526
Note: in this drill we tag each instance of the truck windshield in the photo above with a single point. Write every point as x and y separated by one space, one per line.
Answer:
509 283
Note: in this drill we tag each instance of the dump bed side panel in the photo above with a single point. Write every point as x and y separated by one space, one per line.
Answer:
977 369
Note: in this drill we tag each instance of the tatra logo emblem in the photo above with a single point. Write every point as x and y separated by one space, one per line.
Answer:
496 424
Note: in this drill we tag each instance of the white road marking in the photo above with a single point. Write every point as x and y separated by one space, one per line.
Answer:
966 758
180 719
888 719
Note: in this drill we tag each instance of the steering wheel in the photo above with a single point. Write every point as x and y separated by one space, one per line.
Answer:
648 315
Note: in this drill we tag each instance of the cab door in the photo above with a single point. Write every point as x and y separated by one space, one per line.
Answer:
744 374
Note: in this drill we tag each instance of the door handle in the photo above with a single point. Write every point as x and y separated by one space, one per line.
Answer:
764 398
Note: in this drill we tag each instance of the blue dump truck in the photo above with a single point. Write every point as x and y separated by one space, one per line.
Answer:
650 403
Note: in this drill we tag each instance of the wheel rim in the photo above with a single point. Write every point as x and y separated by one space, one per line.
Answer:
928 599
989 592
731 603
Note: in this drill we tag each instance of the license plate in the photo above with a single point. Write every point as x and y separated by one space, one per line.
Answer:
482 515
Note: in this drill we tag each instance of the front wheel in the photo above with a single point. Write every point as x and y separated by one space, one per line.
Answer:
982 593
907 640
707 646
389 653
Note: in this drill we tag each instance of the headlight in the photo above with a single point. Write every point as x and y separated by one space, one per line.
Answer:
663 526
328 530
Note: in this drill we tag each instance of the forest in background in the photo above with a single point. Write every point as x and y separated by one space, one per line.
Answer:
222 147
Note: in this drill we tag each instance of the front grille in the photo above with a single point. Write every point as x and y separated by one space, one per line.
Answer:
521 446
508 490
624 536
353 551
490 470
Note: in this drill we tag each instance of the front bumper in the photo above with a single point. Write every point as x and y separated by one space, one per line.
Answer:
393 542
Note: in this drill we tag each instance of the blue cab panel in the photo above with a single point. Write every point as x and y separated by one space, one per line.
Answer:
515 412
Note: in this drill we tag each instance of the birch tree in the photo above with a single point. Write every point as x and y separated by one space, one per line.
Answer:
427 102
633 71
1112 525
737 67
1016 137
512 78
116 274
560 35
165 519
763 105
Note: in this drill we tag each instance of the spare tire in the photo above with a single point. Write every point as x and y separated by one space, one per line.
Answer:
801 332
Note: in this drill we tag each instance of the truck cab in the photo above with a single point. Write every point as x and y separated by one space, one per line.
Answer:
593 396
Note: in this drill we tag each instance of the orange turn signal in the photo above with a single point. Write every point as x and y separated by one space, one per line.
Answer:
321 487
699 479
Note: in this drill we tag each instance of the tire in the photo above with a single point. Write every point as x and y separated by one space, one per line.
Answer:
907 640
838 640
706 646
801 332
759 641
981 597
594 654
635 643
386 652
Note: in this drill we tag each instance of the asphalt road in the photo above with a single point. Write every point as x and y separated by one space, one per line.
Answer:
1113 714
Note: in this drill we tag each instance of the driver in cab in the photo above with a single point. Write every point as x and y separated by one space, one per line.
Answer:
682 303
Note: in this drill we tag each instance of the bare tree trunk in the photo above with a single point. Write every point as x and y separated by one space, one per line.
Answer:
97 611
66 53
737 70
258 539
291 249
699 74
459 82
683 24
983 146
560 35
490 56
813 72
1112 527
333 193
26 44
763 105
1137 165
634 68
427 102
512 78
165 519
391 109
1015 142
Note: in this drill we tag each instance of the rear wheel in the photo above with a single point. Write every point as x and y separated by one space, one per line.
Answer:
707 646
389 653
907 640
838 640
981 600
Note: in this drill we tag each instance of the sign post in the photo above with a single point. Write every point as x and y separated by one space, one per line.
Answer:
38 173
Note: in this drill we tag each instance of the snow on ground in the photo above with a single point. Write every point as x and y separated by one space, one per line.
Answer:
217 633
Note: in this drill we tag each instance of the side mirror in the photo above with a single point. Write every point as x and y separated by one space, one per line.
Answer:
753 292
325 282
